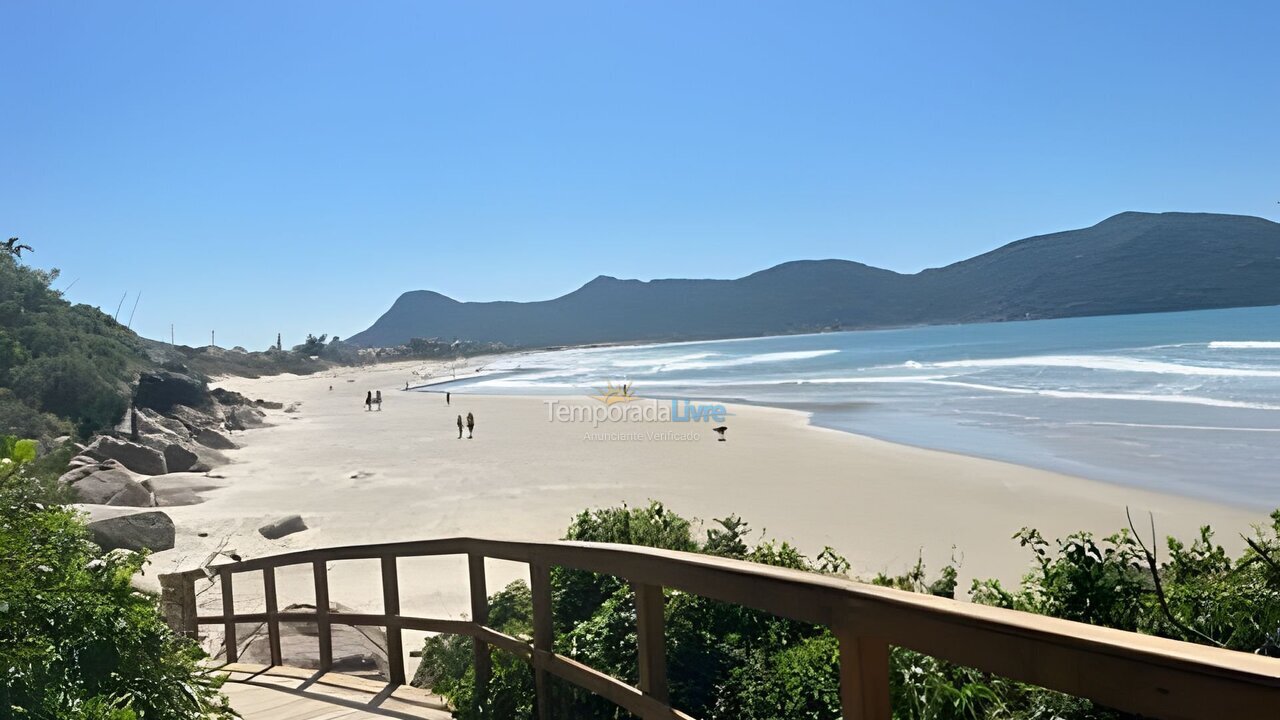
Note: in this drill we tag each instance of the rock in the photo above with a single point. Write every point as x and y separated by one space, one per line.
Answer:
284 526
355 650
162 389
151 422
179 459
138 458
243 418
179 489
192 418
228 397
139 531
111 487
213 439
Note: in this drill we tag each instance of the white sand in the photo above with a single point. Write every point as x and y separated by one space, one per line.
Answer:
363 477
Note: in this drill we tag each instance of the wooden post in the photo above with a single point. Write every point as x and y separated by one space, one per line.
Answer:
178 604
543 632
651 640
391 607
864 677
480 616
324 631
228 615
273 620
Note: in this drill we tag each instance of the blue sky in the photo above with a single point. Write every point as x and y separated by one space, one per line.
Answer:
295 166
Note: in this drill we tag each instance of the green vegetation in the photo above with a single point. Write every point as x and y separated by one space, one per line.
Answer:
63 367
77 641
731 662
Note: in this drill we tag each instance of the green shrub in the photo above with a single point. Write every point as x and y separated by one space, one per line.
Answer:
77 641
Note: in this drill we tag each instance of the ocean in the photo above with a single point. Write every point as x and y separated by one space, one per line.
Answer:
1184 402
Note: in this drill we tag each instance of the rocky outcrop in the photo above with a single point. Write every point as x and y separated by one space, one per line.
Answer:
282 527
162 389
136 457
137 531
106 484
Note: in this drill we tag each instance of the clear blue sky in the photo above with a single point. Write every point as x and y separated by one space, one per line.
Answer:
255 167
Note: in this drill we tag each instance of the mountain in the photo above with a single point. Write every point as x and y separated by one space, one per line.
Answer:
1130 263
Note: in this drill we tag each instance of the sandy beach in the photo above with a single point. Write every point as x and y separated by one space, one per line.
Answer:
362 477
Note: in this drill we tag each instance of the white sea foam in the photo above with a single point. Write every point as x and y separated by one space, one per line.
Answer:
662 362
1137 397
1103 362
1245 345
774 357
1159 426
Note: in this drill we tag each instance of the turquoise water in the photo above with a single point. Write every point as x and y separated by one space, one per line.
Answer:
1181 402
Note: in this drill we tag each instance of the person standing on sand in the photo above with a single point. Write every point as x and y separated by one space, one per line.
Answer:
471 426
459 427
368 401
378 400
446 400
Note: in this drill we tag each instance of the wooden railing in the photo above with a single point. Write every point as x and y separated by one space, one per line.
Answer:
1141 674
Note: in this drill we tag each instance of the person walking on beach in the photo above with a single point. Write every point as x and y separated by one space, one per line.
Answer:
471 425
446 399
459 427
368 401
378 400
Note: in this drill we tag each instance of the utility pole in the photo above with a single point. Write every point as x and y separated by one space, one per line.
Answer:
171 342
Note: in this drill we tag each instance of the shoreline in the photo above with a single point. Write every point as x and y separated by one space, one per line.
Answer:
359 477
318 461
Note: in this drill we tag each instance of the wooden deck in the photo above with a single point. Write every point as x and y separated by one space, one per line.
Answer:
260 692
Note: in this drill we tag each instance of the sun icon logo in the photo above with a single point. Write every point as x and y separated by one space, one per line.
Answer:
611 394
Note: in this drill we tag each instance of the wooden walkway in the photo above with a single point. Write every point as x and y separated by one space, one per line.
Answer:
260 692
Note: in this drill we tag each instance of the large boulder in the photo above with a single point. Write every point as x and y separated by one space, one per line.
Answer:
211 438
355 649
179 489
139 531
243 417
151 422
110 487
192 418
162 389
138 458
283 526
179 459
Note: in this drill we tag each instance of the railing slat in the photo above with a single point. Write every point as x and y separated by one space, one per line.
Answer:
651 641
324 631
273 620
228 612
543 632
480 616
391 606
864 677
